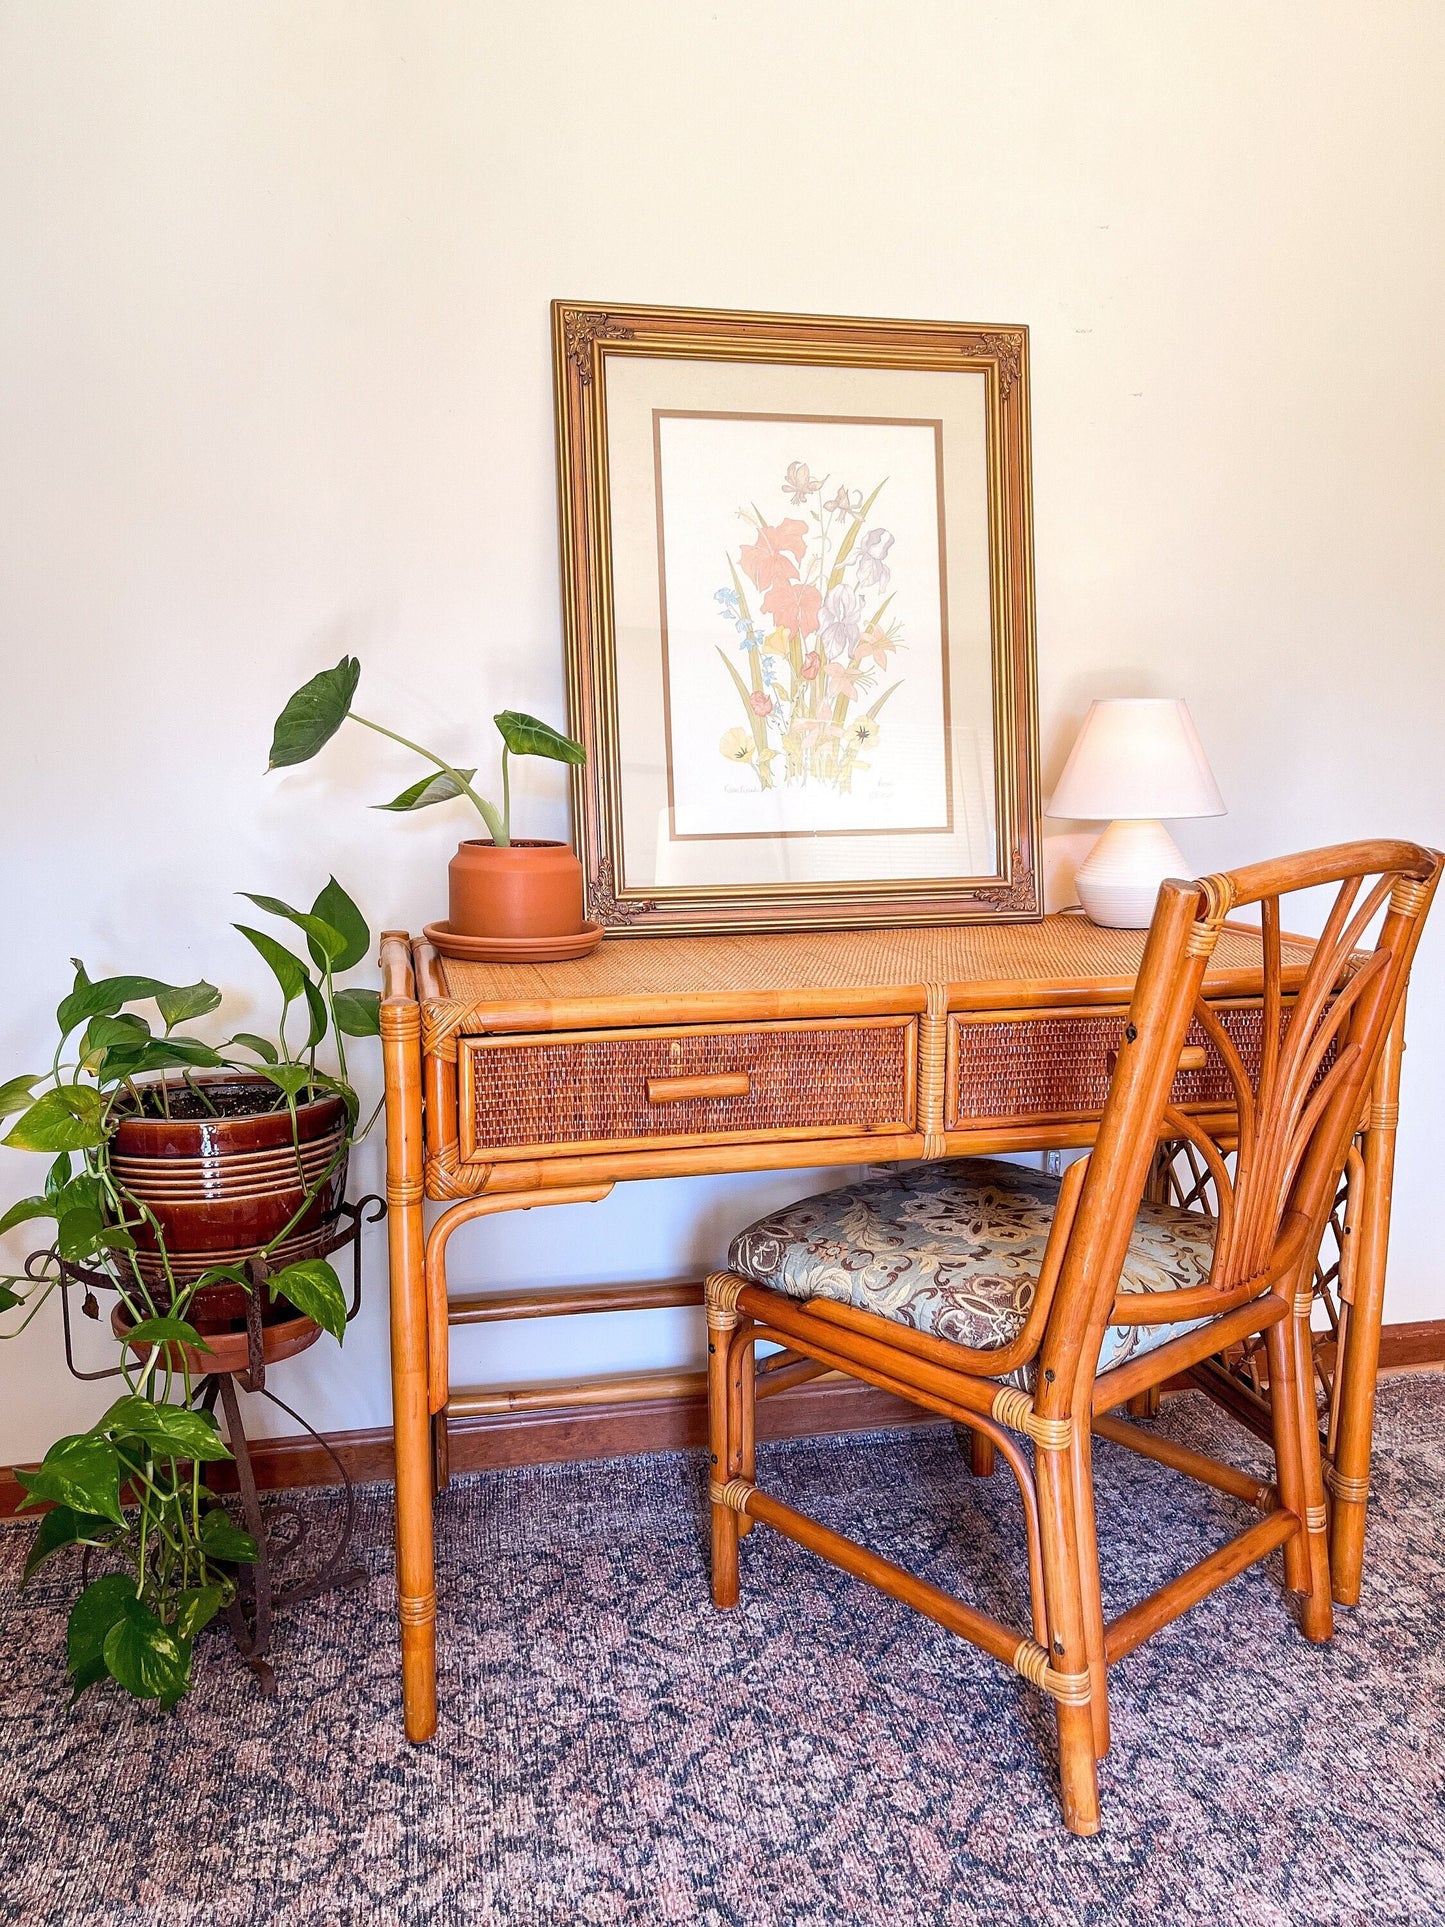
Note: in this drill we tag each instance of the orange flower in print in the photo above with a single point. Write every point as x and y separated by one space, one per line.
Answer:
843 679
794 606
876 645
812 683
769 562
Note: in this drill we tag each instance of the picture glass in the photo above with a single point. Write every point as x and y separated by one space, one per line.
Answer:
802 623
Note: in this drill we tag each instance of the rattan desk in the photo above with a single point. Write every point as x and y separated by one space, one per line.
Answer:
511 1086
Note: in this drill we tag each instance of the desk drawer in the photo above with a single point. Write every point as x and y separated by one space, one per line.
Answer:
1053 1065
560 1092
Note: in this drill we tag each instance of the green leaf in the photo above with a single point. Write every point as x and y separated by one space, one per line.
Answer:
26 1208
84 1190
58 1176
187 1050
262 1046
319 933
220 1539
525 736
127 1031
336 908
197 1606
440 788
103 999
290 1078
145 1658
160 1054
289 971
323 1081
63 1526
166 1331
320 1017
190 1000
175 1431
82 1232
314 714
67 1119
81 1470
15 1094
358 1012
313 1288
97 1610
9 1299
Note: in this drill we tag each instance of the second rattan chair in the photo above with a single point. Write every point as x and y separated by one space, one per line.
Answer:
1029 1310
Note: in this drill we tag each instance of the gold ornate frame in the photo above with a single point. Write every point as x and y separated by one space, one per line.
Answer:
584 338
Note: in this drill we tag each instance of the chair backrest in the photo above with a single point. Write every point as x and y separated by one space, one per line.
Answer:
1323 1031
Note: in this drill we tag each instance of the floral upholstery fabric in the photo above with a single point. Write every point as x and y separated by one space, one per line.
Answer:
955 1249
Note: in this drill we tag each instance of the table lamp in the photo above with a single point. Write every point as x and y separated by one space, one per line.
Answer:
1137 759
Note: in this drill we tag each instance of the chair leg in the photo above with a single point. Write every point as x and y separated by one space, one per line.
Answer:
1317 1617
1068 1649
721 1323
1284 1414
1296 1448
981 1459
1082 1470
742 1419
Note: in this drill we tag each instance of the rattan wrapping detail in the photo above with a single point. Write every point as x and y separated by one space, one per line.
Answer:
1058 1066
570 1090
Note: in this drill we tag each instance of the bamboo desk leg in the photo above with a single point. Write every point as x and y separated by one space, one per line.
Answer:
1349 1477
411 1416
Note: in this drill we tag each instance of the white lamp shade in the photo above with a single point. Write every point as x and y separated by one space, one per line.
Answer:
1137 756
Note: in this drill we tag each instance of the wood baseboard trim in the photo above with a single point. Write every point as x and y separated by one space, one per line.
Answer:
492 1441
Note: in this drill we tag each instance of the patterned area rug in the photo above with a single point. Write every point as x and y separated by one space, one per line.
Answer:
611 1750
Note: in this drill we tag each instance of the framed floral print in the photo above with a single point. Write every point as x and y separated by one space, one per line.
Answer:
798 593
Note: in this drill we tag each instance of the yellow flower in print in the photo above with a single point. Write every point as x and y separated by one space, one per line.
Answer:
737 745
862 733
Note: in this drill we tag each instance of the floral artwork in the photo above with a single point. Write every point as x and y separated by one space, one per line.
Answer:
814 662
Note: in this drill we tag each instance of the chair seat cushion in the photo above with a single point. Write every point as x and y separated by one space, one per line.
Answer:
955 1249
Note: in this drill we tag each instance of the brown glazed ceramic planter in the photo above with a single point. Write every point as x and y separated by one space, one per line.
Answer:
526 889
222 1187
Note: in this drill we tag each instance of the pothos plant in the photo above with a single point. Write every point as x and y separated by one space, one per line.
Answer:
129 1490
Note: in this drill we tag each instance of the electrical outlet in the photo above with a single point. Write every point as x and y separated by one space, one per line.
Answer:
1053 1164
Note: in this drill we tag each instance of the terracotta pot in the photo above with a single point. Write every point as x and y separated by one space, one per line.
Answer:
222 1187
284 1332
525 890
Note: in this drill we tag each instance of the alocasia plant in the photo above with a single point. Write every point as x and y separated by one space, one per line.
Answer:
319 708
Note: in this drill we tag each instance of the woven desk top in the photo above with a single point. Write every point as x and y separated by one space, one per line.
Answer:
1061 950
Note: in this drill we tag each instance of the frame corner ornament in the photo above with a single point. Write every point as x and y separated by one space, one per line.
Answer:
582 329
1020 894
1006 347
604 906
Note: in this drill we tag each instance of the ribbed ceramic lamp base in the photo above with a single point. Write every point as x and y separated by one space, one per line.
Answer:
1119 879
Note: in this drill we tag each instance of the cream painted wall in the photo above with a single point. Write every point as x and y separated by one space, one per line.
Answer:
274 384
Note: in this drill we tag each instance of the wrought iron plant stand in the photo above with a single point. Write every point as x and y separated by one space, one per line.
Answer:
280 1576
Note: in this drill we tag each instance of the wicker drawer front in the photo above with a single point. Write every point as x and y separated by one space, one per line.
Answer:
561 1092
1044 1065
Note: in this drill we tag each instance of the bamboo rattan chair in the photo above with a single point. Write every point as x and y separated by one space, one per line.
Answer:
1031 1315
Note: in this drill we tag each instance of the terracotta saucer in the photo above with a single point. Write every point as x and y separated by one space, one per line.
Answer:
514 949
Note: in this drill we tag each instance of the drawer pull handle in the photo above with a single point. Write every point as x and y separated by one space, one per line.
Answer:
676 1090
